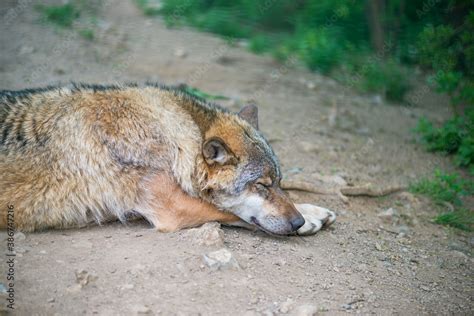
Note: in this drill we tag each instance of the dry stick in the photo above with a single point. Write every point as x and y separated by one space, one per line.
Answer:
371 191
366 190
304 186
310 187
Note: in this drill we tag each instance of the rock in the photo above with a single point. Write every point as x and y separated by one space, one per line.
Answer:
243 43
51 300
402 230
83 277
141 309
364 131
76 288
376 100
268 312
181 53
308 147
285 307
21 250
127 287
19 236
425 288
209 234
137 269
378 246
388 215
409 197
346 306
221 259
26 50
310 85
306 310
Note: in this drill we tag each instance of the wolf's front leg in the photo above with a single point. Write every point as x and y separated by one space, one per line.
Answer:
315 218
175 210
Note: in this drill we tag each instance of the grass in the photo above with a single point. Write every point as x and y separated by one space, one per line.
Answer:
88 34
65 15
445 188
462 219
455 136
60 15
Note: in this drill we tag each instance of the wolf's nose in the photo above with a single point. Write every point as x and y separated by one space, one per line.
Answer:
296 222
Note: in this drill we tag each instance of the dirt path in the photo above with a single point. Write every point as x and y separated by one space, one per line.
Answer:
400 264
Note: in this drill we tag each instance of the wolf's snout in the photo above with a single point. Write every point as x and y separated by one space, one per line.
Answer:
296 222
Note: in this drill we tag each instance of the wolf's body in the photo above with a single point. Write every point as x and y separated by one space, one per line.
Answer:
74 155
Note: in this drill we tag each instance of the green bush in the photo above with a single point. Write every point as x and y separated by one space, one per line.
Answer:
450 53
221 21
323 34
462 219
455 136
451 188
388 78
320 50
61 15
444 187
260 44
88 34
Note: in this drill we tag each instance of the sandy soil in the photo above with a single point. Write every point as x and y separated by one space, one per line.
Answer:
400 264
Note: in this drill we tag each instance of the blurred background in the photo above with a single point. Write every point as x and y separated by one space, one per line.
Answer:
375 93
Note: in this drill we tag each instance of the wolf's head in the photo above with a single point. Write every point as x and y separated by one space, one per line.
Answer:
243 174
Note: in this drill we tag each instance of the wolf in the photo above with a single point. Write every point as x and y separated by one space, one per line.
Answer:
80 154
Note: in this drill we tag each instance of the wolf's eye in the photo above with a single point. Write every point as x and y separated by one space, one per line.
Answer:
263 184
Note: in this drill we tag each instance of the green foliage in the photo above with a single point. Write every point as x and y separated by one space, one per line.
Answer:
323 34
320 50
388 78
444 187
61 15
222 22
462 219
455 136
260 44
88 34
65 15
449 52
451 188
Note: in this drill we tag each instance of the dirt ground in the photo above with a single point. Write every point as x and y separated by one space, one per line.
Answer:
365 263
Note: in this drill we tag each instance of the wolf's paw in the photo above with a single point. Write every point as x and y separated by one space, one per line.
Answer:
315 218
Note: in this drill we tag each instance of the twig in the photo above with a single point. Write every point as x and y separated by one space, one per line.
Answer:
371 191
365 190
304 186
310 187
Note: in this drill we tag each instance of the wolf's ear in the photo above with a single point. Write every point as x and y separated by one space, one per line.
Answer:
250 114
214 150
